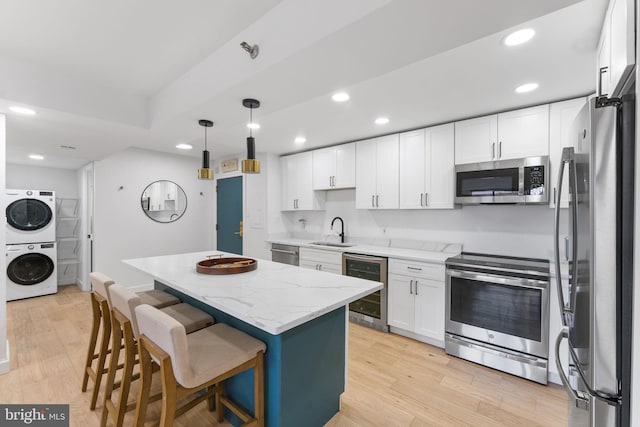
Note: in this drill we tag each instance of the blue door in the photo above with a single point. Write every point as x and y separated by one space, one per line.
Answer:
229 227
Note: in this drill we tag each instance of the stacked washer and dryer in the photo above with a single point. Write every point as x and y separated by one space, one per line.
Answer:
31 244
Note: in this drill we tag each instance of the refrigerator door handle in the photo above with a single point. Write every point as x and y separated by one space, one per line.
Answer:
567 157
580 402
608 398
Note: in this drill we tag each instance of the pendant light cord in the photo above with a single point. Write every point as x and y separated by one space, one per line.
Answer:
251 121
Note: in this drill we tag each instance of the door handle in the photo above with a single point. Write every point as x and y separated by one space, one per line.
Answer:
241 231
426 199
421 199
579 401
493 150
373 198
416 287
567 157
500 149
377 205
411 287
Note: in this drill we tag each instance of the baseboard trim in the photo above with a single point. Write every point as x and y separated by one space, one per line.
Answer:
554 377
5 364
417 337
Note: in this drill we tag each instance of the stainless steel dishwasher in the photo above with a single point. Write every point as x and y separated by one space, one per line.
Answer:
285 254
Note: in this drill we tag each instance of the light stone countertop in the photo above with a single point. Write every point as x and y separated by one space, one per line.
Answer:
275 297
422 251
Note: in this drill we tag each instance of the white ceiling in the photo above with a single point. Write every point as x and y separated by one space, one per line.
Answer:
104 76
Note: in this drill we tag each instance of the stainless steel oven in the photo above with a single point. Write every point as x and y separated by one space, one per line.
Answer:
371 310
497 313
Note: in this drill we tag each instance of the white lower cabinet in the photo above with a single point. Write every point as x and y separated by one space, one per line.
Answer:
321 260
416 300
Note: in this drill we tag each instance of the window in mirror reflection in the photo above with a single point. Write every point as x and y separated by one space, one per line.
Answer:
164 201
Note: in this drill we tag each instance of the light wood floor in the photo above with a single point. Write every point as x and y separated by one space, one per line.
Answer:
393 381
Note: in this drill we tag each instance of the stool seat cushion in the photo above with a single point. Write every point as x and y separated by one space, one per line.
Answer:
158 299
218 349
198 357
191 318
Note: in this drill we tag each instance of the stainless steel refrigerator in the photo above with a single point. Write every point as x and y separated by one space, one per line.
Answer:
595 304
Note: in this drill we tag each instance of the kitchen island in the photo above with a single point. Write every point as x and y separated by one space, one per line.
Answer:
300 314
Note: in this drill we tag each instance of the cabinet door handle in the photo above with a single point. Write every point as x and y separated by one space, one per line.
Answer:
416 285
414 268
411 287
373 199
499 149
421 199
493 150
377 205
426 199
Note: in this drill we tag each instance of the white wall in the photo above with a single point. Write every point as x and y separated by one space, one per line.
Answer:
121 228
515 230
4 344
62 181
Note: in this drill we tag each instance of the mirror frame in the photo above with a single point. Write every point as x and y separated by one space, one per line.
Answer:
146 211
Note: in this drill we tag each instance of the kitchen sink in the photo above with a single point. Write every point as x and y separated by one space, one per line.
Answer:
336 245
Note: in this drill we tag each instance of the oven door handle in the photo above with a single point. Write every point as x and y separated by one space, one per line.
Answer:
502 280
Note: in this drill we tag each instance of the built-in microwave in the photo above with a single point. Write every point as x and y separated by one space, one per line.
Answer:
514 181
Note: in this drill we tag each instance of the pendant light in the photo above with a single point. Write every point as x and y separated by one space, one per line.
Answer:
205 172
251 165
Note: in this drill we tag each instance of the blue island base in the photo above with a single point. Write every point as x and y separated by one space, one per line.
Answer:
304 368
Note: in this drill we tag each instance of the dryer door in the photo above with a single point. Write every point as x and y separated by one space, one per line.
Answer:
28 214
30 269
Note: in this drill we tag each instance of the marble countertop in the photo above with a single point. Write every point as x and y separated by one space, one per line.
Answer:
275 297
427 252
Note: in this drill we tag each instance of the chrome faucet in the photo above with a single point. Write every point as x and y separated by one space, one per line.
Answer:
342 228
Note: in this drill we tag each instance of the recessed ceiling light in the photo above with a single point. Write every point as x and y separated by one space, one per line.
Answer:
253 125
527 87
22 110
300 140
340 97
519 37
184 146
36 156
382 120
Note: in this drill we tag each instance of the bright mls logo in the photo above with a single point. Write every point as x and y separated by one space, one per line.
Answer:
34 415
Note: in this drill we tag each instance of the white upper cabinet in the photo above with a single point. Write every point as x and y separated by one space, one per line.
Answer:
616 50
427 168
297 188
561 116
377 176
510 135
476 139
523 133
334 167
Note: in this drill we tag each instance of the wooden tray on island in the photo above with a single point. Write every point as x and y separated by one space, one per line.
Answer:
232 265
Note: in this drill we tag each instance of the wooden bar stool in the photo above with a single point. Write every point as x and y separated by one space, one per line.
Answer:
190 363
100 306
125 331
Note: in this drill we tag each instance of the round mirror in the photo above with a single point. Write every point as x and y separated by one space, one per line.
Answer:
164 201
